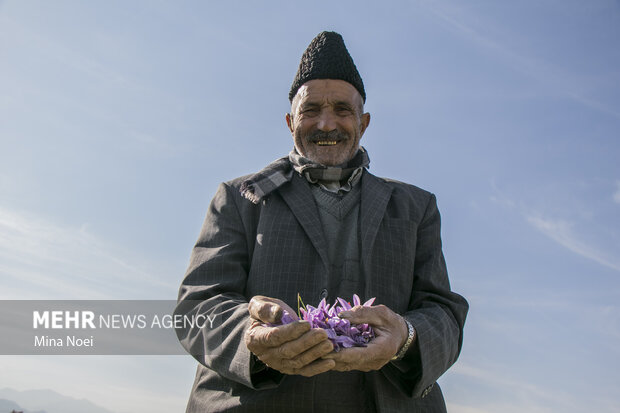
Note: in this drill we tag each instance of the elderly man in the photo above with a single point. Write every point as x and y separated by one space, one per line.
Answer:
318 224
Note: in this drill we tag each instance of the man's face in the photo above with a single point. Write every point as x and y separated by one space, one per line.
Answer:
326 121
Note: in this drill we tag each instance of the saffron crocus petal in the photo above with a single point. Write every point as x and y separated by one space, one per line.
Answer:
356 300
368 335
333 312
369 302
359 340
339 324
333 322
345 342
331 334
287 318
320 324
345 306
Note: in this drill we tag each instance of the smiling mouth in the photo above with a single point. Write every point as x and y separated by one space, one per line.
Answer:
326 143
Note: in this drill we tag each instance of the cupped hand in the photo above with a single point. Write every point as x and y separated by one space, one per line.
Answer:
292 348
390 334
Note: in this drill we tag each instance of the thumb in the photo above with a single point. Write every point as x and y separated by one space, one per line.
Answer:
263 309
378 316
359 315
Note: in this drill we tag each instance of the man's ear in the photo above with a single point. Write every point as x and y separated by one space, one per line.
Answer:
364 122
289 122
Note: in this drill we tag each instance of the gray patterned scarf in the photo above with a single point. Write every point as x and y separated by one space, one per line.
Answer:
280 171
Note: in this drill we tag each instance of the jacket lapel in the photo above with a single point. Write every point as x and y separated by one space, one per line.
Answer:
299 199
375 197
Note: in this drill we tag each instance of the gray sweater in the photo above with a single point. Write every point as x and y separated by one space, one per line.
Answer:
339 214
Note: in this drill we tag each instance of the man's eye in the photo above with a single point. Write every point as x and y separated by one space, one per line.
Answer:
310 111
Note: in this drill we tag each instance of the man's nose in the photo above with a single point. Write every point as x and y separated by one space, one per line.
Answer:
327 121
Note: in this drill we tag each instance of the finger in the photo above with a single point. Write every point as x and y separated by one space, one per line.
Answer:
288 309
348 355
375 316
316 367
367 366
347 360
311 354
304 343
340 366
265 309
292 349
359 355
276 336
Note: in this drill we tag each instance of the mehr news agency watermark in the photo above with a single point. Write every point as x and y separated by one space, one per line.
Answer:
97 327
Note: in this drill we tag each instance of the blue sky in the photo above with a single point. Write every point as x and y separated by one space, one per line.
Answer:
119 119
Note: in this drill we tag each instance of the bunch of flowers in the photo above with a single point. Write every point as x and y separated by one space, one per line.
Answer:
340 331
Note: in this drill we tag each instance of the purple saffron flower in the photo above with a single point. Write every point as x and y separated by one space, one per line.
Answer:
339 330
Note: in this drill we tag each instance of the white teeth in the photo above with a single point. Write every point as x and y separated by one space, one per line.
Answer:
326 143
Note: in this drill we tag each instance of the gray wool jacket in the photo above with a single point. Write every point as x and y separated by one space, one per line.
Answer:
277 248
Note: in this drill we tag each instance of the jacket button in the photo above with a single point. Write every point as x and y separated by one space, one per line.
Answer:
323 294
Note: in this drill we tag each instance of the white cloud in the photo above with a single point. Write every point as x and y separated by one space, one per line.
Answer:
561 232
43 260
507 392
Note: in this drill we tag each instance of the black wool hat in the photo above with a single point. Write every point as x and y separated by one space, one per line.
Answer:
327 58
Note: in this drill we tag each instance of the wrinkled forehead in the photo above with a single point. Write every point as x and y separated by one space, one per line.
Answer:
327 91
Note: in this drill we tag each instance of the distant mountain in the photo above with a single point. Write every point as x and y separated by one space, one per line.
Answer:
47 401
7 406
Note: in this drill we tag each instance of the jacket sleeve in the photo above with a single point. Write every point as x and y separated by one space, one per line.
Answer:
214 286
436 313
